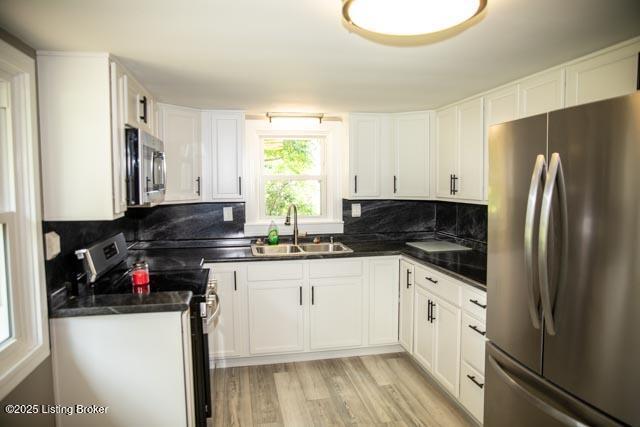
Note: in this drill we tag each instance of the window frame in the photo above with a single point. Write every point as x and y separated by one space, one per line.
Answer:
322 177
20 205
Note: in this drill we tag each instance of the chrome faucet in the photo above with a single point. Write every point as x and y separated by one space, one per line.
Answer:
287 221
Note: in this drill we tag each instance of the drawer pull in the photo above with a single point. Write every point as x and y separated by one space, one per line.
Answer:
432 280
473 380
475 328
475 301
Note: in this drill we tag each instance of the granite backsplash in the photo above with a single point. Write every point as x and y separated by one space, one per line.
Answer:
380 219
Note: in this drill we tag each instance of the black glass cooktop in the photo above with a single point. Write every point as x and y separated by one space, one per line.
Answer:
118 281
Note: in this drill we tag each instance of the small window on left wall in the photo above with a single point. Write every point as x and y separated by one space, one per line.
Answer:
24 333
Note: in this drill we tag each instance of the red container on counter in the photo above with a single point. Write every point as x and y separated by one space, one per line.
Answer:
140 274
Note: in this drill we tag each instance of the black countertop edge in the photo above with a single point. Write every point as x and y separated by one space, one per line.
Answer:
100 305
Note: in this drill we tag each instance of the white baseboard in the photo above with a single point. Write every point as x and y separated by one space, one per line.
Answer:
301 357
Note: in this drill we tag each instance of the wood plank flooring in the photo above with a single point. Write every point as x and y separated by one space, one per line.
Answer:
385 390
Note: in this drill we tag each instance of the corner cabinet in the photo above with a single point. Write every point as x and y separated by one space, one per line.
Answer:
406 306
179 128
83 112
460 152
365 134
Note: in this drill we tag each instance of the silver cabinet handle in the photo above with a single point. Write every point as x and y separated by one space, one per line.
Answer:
555 175
355 184
240 185
538 175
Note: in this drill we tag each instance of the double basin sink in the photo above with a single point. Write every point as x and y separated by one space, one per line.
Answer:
291 250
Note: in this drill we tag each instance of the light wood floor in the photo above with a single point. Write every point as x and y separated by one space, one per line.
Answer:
369 390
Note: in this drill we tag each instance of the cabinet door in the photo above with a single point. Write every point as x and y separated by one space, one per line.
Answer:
470 174
227 131
364 146
226 334
542 93
180 131
446 150
383 301
406 305
276 317
447 357
132 91
499 106
336 313
411 143
604 76
118 99
424 329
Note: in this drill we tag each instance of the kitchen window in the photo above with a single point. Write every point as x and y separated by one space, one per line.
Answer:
293 171
24 340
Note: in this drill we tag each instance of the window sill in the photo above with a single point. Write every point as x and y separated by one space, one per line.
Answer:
324 226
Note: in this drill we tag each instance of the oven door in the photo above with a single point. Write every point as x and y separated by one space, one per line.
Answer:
201 369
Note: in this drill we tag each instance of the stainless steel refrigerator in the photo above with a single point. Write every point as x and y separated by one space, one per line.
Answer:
564 268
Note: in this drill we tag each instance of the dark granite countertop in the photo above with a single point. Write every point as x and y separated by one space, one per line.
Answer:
468 266
96 305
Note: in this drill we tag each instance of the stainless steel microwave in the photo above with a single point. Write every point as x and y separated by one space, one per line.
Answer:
146 169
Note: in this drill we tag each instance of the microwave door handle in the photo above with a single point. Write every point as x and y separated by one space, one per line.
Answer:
539 172
554 176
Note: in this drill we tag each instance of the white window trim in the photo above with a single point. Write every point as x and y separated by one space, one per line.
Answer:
334 137
29 345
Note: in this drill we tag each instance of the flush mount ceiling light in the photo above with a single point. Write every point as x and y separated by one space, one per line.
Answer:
409 17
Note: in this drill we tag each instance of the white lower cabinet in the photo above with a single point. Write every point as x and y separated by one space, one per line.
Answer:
284 307
383 301
472 391
446 318
406 305
448 332
424 329
276 317
227 333
336 313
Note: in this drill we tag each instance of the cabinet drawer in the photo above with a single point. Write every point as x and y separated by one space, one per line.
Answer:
473 342
278 270
320 269
474 302
438 284
472 391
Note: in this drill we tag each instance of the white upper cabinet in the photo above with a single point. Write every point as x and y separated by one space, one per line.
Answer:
139 106
411 149
82 136
179 129
542 93
446 150
468 182
460 151
610 74
225 161
364 155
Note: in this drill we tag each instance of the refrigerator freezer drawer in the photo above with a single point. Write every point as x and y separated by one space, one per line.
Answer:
438 284
472 391
516 396
474 302
473 342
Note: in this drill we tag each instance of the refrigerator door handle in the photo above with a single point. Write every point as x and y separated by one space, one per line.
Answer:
555 175
538 176
529 393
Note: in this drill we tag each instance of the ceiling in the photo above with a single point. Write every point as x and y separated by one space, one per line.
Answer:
297 55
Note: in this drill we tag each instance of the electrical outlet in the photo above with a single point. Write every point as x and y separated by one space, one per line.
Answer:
52 245
356 210
227 213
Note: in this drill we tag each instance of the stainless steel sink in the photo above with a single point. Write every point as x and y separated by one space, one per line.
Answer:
275 250
322 248
289 250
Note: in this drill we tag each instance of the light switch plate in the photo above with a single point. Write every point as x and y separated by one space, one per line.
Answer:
52 245
227 213
356 210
